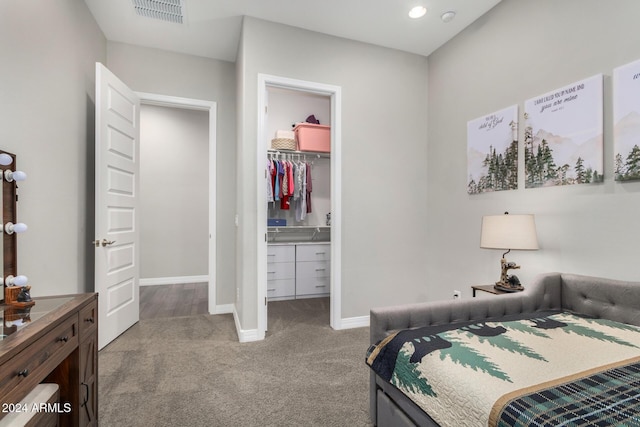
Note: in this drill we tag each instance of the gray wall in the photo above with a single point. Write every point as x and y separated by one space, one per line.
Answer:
167 73
48 51
518 50
174 192
384 137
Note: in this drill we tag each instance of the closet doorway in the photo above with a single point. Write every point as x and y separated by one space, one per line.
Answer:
177 206
331 165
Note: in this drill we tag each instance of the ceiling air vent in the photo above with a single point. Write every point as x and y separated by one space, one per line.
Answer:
165 10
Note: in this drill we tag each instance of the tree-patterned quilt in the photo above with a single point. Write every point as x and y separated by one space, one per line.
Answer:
546 369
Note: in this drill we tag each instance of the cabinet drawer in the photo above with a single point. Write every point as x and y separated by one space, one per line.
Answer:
281 270
27 368
312 286
313 252
313 269
88 320
281 288
281 253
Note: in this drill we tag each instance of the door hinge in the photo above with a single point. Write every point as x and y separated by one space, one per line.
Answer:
265 300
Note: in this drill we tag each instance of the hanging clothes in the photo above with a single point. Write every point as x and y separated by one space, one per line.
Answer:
301 204
287 186
287 182
309 188
269 178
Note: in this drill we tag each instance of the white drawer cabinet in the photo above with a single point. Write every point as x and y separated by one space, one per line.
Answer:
281 288
281 253
313 270
316 252
298 270
281 271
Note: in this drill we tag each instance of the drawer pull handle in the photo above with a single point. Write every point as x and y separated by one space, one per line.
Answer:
271 290
89 319
320 269
271 254
320 253
63 339
321 286
271 272
24 373
86 400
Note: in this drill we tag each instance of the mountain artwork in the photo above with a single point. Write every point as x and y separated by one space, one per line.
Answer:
626 119
492 152
563 136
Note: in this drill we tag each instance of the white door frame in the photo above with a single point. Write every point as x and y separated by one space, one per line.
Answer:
211 107
335 92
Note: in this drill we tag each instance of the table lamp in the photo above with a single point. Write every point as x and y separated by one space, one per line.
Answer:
508 232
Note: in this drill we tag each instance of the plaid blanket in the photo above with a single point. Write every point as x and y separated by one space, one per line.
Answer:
551 367
608 398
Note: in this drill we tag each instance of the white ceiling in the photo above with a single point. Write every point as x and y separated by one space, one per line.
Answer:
212 27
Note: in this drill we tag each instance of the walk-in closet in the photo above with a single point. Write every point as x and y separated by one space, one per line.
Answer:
298 175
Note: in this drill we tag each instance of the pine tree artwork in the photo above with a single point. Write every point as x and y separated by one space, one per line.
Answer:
492 152
563 136
626 117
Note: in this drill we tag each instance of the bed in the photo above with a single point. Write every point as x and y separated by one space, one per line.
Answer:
565 350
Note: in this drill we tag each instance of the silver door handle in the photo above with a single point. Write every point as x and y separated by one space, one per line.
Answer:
103 243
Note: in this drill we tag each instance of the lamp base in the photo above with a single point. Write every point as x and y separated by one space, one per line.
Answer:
508 287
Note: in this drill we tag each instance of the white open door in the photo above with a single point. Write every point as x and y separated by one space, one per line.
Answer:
117 269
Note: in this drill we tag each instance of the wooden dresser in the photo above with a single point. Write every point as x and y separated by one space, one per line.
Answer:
54 341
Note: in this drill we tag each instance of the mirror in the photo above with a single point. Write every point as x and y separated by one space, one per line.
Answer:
2 235
8 202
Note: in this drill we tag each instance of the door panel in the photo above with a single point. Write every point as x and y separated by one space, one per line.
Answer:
117 268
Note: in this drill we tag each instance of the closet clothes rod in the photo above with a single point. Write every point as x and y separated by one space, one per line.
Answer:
317 154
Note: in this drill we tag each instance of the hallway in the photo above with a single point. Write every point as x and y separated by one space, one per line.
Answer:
175 300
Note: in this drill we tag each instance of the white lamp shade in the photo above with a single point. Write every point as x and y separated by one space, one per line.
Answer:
509 232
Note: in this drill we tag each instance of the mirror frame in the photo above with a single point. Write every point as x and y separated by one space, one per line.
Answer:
9 211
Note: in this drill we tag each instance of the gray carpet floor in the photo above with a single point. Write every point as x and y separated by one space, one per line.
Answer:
192 371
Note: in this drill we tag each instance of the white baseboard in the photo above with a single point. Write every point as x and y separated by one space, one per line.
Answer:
224 309
245 335
173 280
354 322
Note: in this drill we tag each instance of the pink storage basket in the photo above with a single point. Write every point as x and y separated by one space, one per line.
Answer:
313 137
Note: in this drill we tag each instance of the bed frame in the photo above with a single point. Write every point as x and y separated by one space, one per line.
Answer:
603 298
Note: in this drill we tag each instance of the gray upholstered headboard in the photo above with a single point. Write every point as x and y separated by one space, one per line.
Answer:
608 298
605 298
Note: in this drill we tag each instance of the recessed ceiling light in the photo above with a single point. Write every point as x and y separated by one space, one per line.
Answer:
417 12
448 16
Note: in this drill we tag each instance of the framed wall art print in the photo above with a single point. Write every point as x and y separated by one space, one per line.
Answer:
492 152
626 122
563 136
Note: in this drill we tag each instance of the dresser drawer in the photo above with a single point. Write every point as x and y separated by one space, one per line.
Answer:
281 288
313 252
313 269
26 368
88 320
281 270
281 253
312 286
